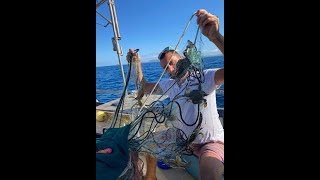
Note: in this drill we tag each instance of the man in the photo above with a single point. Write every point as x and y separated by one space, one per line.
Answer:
209 146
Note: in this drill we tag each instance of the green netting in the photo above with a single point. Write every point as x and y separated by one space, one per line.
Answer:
110 166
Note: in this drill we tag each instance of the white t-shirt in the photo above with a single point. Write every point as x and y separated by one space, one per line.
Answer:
212 129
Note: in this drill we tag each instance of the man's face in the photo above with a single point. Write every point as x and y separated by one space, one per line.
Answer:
172 68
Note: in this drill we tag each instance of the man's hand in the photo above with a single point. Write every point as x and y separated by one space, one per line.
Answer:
133 54
209 24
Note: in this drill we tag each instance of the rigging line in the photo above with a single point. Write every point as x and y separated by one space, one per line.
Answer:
100 3
102 24
121 101
123 96
195 39
104 17
168 61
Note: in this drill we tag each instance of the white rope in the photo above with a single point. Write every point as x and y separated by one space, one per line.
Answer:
168 61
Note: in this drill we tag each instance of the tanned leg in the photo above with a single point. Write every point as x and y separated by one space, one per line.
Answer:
210 167
151 168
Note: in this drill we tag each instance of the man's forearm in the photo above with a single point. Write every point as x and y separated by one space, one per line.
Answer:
139 78
219 42
141 82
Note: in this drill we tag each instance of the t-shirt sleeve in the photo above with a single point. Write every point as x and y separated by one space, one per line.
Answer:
209 85
165 84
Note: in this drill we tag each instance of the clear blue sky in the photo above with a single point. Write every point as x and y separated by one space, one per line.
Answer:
151 26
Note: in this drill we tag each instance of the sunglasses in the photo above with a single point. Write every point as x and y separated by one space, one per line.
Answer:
164 51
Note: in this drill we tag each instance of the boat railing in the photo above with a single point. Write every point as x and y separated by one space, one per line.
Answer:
101 91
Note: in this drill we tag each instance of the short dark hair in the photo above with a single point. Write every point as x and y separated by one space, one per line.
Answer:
164 52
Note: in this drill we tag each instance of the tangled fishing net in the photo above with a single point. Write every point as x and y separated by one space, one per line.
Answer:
157 128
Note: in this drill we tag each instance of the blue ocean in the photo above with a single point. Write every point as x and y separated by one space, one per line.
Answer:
109 78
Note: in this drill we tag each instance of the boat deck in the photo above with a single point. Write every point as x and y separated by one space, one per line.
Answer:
110 107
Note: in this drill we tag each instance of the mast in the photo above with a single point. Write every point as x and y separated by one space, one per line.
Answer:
117 37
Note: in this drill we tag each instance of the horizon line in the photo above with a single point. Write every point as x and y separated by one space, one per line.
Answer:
156 60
